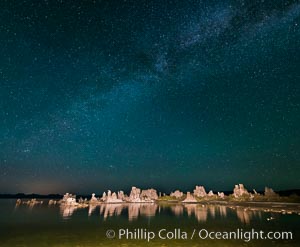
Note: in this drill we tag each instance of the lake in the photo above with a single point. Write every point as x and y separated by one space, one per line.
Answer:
142 225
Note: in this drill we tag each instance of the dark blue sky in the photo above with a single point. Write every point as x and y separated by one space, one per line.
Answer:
166 94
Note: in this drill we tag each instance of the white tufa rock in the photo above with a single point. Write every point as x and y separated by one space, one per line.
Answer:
199 191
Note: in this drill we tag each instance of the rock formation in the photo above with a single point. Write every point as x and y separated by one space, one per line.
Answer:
210 193
51 202
18 202
68 200
135 195
177 194
221 195
93 200
149 195
32 202
121 195
138 195
103 198
111 198
189 198
239 190
269 192
199 191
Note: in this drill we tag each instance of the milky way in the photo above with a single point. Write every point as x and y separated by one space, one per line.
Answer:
100 95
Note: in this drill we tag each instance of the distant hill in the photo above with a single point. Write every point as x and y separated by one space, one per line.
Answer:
22 195
38 196
289 192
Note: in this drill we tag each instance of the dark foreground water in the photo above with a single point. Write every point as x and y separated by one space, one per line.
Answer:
104 225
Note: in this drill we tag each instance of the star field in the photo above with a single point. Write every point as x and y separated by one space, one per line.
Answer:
100 95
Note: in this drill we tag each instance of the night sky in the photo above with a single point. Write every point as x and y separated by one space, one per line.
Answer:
98 95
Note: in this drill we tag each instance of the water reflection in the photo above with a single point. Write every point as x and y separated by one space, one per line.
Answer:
146 209
245 215
92 209
67 211
177 209
134 210
201 212
109 210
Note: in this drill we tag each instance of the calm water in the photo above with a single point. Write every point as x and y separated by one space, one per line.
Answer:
44 225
